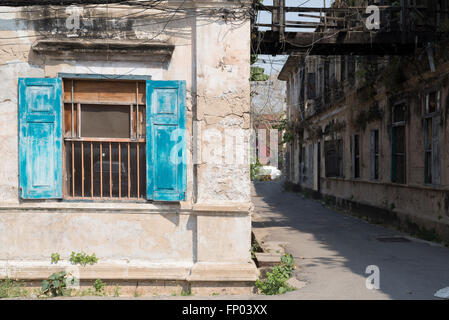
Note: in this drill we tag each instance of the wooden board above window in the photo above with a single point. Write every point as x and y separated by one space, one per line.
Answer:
105 92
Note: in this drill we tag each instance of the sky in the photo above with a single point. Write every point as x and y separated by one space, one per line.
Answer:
273 65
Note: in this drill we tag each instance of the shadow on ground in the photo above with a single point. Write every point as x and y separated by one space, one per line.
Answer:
333 250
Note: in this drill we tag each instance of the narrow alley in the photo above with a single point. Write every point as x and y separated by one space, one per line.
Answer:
332 250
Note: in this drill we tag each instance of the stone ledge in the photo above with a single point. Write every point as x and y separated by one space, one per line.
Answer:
198 272
208 271
126 207
267 259
204 208
37 270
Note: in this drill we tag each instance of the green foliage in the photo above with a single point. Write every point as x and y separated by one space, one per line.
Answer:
255 169
87 292
351 3
443 27
55 257
287 129
255 247
116 291
12 289
367 116
393 76
276 280
366 72
187 293
422 232
334 127
254 58
83 258
56 284
99 287
137 293
327 200
257 74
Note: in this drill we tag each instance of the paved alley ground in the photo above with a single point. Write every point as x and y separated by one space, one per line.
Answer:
333 250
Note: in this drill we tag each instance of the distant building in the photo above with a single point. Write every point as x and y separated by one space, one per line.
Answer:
268 105
370 134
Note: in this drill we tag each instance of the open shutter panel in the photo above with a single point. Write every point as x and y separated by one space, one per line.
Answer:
310 165
436 150
372 148
352 145
166 144
40 138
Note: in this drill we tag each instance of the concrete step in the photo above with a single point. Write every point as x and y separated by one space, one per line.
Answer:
274 247
267 259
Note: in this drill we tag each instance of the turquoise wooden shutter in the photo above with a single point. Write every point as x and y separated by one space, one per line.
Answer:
40 138
166 145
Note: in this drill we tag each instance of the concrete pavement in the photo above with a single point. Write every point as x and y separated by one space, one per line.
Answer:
333 250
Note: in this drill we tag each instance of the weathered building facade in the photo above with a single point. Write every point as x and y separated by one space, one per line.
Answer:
267 111
105 119
370 134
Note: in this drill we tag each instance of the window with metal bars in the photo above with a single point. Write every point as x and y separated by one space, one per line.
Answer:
374 154
104 139
398 144
432 119
355 150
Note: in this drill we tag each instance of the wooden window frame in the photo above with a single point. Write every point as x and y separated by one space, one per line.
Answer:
303 164
375 154
136 140
395 126
355 155
339 157
431 148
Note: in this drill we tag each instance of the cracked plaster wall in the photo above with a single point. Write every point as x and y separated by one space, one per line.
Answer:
213 58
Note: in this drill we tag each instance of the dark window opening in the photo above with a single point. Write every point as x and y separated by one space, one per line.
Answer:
428 151
356 156
333 158
99 121
398 145
343 70
432 101
303 164
399 113
432 120
374 154
311 86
